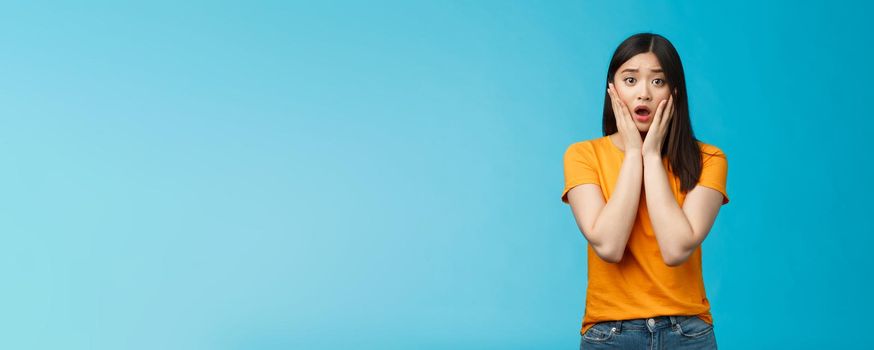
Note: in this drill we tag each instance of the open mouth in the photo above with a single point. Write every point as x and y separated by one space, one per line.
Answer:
642 111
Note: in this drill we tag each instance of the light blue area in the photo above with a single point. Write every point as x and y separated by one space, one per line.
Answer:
386 175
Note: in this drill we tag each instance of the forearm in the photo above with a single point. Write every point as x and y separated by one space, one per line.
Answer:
613 225
672 229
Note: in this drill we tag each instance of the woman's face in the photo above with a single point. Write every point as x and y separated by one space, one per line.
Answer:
641 85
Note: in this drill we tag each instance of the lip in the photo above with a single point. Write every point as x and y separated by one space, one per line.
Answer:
642 118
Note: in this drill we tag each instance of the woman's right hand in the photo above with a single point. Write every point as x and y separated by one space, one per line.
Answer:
627 129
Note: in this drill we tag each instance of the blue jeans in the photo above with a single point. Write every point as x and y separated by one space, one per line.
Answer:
657 333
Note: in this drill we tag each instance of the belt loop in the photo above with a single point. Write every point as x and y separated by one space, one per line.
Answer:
619 327
673 320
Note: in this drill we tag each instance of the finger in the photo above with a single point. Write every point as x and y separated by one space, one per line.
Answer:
622 107
612 93
666 114
616 109
621 112
670 110
666 118
657 120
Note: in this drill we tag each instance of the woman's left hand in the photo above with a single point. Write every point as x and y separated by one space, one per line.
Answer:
652 145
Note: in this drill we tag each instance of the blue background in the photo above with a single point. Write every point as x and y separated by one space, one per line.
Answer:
324 175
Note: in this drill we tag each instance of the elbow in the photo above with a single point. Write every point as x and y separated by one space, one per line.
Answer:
678 252
676 258
612 256
612 259
608 251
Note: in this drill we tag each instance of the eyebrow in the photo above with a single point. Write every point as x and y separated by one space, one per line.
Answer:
635 70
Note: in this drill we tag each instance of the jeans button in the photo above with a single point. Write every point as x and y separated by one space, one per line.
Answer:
650 322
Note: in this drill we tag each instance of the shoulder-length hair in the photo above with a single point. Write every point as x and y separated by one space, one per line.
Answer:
680 146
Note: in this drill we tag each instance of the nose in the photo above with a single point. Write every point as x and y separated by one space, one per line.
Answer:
644 93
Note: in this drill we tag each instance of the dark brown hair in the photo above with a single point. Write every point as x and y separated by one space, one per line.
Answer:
680 146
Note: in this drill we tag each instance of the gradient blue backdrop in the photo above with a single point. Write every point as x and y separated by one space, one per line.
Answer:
386 175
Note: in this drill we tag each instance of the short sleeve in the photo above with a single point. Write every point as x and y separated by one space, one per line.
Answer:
714 171
578 169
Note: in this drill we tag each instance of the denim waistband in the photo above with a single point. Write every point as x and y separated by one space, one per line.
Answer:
652 323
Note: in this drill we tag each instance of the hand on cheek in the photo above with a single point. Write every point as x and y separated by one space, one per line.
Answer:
625 124
652 145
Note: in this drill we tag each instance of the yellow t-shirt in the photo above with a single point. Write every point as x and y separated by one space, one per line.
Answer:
641 285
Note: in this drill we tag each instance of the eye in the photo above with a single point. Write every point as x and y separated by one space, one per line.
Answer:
658 82
630 78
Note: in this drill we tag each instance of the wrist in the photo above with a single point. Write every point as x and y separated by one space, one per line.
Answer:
633 152
652 156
